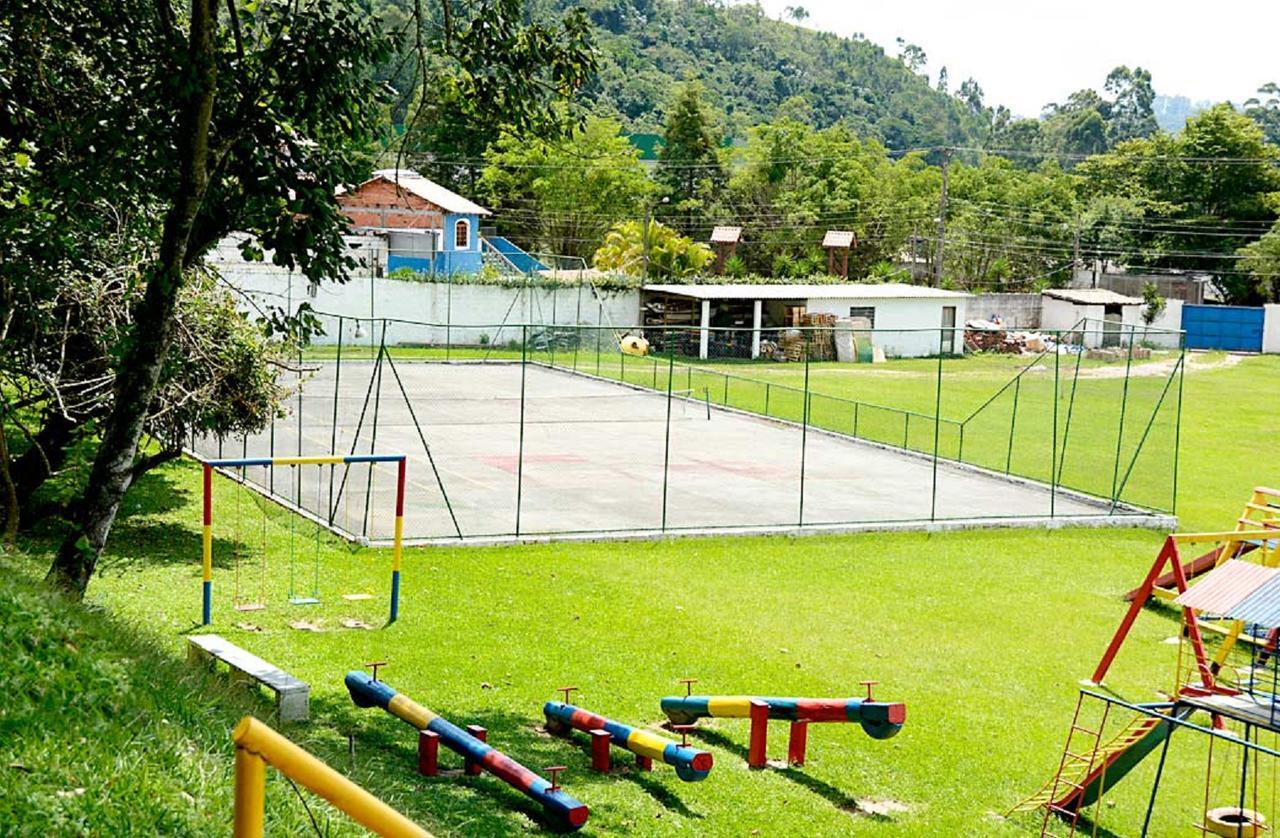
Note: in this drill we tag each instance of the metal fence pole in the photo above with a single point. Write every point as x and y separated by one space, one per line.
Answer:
1053 462
666 443
937 427
804 428
373 437
767 387
524 362
333 429
1124 402
448 319
1177 421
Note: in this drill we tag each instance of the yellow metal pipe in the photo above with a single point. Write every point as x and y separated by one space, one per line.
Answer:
1214 537
250 794
207 545
295 763
307 461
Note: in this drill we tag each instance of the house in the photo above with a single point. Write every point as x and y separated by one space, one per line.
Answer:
428 228
906 320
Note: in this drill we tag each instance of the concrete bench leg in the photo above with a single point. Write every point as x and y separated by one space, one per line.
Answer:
293 706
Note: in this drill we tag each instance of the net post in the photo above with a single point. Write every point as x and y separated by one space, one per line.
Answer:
397 547
1124 403
1053 462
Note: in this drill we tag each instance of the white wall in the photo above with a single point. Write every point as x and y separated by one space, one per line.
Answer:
1165 331
460 313
1271 329
921 318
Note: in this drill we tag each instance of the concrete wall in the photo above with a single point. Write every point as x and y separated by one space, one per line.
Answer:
920 318
1271 329
1019 311
460 313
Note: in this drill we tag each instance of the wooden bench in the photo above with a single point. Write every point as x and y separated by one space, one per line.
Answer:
292 695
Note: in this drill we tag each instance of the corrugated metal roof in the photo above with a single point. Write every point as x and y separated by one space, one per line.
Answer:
843 291
429 190
1092 296
1261 607
1226 585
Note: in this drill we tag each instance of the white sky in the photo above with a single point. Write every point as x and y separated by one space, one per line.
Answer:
1026 53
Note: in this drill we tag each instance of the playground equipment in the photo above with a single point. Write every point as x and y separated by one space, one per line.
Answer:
880 720
296 462
258 746
1238 598
434 731
1262 512
691 764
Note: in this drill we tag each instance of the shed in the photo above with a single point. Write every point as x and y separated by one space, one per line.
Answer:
908 320
1107 318
428 227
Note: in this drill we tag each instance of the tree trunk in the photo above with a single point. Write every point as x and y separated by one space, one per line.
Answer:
139 372
45 457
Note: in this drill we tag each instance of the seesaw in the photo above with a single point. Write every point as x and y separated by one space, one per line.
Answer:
434 730
691 764
880 720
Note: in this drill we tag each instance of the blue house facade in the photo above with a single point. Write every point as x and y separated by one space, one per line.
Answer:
429 229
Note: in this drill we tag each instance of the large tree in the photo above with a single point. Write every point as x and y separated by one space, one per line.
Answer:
689 166
562 196
187 124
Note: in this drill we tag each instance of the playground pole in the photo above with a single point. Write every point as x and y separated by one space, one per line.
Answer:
206 538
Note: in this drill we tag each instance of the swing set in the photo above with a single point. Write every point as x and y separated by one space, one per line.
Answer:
237 469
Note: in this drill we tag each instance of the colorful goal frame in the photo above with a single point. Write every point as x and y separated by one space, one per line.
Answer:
207 534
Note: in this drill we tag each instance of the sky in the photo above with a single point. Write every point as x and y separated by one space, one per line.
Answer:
1025 54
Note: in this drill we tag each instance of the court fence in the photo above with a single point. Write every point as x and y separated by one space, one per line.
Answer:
545 431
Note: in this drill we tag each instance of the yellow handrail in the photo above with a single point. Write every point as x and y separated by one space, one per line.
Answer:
257 746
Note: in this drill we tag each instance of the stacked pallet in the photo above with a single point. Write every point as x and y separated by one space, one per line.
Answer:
822 340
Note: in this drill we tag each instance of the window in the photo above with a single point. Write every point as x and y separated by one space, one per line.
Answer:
462 235
869 312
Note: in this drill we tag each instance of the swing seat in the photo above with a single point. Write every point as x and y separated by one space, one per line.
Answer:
356 597
250 606
304 600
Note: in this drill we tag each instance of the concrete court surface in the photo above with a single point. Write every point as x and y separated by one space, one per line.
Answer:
593 463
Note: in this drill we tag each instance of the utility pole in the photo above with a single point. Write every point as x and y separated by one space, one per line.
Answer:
942 218
648 217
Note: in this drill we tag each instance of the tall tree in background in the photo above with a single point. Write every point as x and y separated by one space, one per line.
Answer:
562 196
689 167
466 100
1131 114
1264 109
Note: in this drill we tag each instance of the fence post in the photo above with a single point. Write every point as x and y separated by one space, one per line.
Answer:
666 443
856 405
767 387
937 427
333 429
1053 463
524 342
1177 421
1124 402
448 318
804 428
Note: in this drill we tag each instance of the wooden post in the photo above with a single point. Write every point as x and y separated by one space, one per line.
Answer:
600 751
797 742
480 733
428 753
759 733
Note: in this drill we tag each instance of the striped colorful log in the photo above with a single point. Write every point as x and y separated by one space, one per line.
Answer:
323 460
691 764
879 719
564 809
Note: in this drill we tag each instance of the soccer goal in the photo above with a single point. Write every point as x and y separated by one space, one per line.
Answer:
309 475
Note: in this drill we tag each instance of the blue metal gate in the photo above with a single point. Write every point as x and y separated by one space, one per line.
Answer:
1234 328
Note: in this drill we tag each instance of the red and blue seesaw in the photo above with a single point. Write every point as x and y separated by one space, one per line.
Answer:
879 719
691 764
433 730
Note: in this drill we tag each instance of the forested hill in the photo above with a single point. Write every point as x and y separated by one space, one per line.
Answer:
752 65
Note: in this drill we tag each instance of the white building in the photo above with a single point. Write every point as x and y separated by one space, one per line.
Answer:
907 320
1105 317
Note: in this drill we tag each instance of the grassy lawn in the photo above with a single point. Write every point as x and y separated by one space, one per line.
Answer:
982 634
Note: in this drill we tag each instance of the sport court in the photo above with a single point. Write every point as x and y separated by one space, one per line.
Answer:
583 457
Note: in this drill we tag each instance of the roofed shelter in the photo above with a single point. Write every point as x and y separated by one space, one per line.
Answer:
910 319
1105 315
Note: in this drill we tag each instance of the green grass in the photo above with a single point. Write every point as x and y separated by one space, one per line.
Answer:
982 634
